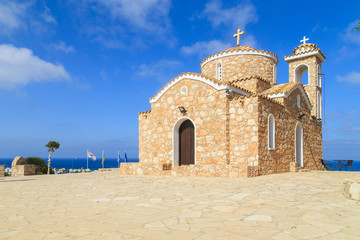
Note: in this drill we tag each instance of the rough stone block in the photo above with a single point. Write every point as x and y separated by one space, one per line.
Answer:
2 170
352 189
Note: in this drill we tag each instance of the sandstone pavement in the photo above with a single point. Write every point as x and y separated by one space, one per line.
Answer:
108 205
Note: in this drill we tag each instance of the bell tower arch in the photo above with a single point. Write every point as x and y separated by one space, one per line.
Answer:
305 67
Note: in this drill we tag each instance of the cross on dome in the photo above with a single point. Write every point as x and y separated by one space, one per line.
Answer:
238 34
304 40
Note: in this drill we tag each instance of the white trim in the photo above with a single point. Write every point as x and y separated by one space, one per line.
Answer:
273 128
227 54
308 72
175 158
197 78
316 53
302 144
277 95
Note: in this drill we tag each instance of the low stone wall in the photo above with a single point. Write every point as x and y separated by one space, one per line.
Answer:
2 170
203 170
23 170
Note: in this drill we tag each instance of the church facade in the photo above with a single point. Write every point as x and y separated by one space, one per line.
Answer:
233 119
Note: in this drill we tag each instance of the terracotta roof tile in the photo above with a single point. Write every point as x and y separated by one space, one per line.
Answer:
144 112
281 88
240 49
311 48
248 78
214 80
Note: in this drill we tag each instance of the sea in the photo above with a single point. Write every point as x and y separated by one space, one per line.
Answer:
81 163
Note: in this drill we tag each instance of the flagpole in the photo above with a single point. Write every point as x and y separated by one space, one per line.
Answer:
102 159
87 158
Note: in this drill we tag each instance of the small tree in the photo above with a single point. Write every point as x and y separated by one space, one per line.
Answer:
51 146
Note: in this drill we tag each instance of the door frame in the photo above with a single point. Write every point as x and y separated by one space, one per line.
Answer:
176 137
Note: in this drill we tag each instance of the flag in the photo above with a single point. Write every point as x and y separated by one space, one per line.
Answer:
103 159
92 156
125 157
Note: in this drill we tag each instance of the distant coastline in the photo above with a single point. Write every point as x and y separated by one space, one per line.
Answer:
71 163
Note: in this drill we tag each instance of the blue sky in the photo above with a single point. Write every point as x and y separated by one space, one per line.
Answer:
79 71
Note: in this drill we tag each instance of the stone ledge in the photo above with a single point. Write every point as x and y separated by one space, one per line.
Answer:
203 170
352 189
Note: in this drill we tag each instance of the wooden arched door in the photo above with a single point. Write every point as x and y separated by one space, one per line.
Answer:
187 143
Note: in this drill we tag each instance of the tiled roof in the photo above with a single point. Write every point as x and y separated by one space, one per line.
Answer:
248 78
239 49
144 112
281 88
305 49
214 80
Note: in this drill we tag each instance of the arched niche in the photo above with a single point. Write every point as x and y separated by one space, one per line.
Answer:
302 74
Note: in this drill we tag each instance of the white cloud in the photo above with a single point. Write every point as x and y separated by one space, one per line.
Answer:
11 14
161 70
61 46
205 48
352 78
351 35
148 15
136 21
19 67
237 16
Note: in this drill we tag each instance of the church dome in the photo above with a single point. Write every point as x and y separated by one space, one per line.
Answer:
240 62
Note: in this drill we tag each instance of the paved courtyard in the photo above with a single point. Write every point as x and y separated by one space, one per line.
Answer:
107 205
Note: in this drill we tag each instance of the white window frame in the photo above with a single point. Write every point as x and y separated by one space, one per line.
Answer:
271 137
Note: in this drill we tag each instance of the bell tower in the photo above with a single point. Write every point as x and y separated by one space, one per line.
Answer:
305 67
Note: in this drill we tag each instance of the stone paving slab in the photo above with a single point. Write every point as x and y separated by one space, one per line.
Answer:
107 205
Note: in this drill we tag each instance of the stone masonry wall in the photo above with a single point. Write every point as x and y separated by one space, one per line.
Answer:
278 160
241 66
311 88
23 170
205 106
243 129
2 170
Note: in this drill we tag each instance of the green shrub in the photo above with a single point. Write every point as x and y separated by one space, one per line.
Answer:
41 166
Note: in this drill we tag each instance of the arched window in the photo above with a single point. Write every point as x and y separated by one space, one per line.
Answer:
275 73
271 132
318 75
219 71
302 74
299 158
298 100
319 105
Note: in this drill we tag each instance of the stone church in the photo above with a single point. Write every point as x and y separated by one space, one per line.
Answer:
233 119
